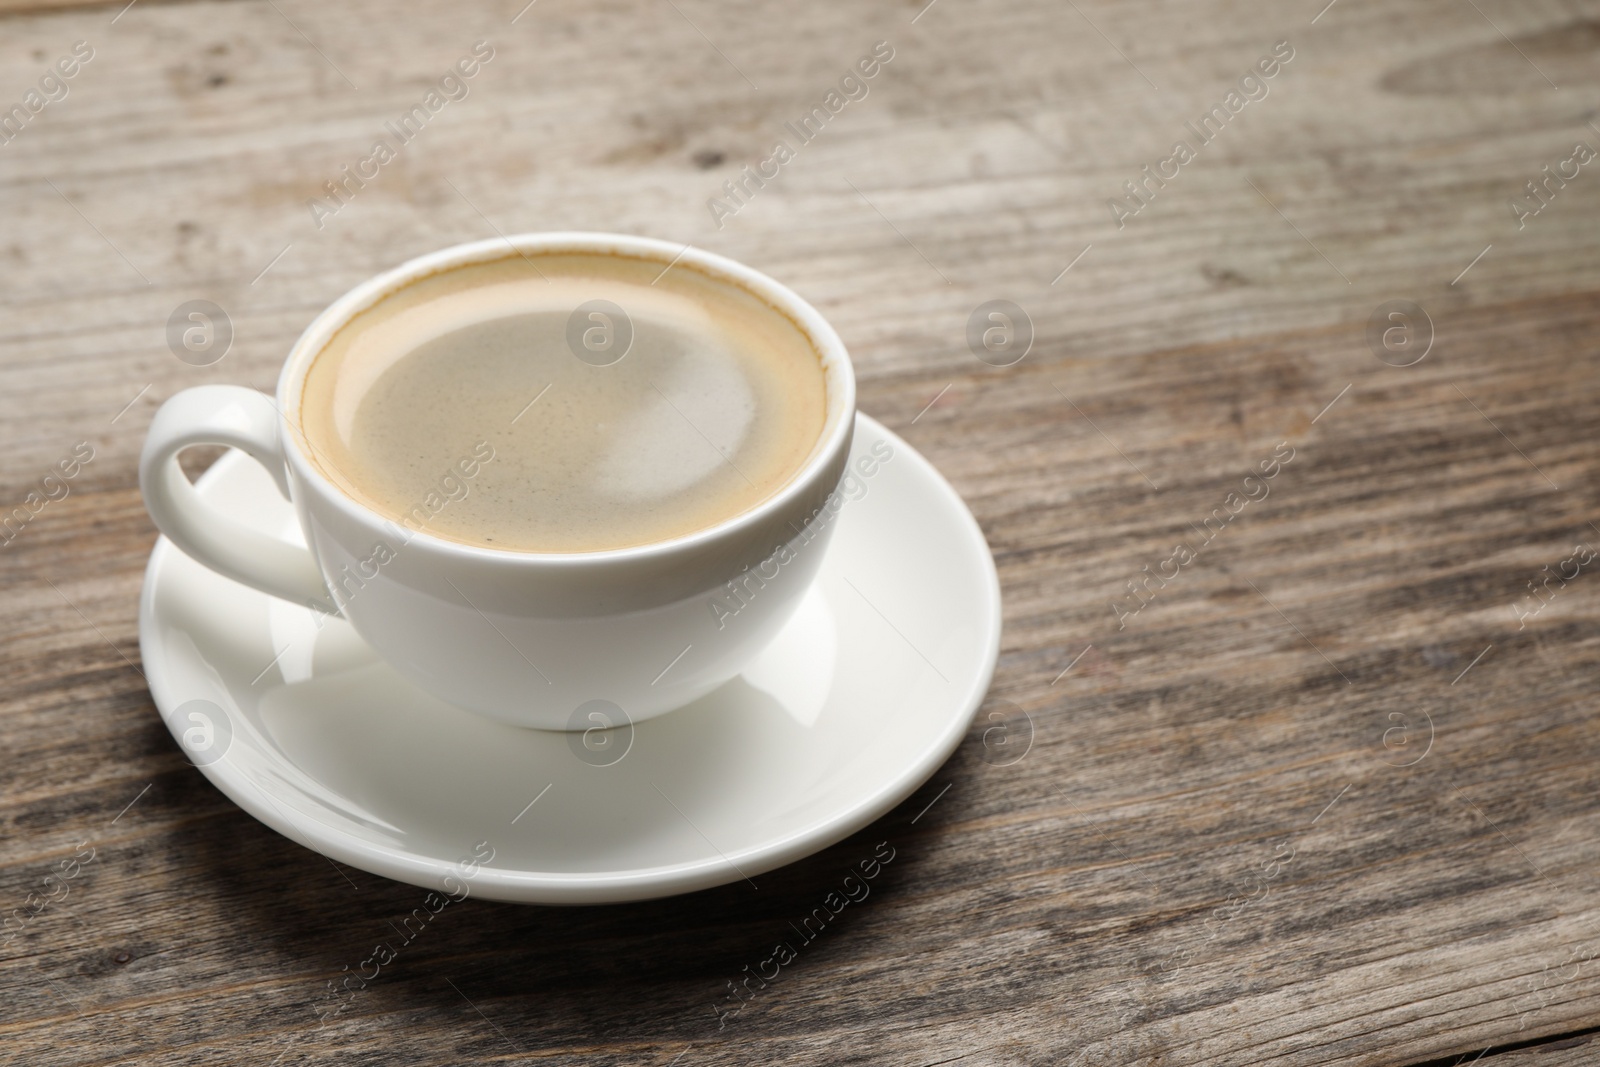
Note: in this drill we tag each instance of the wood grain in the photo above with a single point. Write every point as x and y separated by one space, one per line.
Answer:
1324 799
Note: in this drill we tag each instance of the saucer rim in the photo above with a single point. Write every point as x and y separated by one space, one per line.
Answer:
583 888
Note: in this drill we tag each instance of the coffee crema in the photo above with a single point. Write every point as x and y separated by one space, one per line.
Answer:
498 404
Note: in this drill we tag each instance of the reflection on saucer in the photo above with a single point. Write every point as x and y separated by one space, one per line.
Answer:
799 684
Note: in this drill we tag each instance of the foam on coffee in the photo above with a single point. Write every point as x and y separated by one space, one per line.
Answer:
457 406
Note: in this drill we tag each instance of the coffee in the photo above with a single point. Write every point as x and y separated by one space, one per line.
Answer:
564 402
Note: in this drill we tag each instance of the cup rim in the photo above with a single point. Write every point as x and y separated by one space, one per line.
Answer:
839 382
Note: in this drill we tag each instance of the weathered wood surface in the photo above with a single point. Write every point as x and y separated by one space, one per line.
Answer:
1325 799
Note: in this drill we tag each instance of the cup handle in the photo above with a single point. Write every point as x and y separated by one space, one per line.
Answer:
249 421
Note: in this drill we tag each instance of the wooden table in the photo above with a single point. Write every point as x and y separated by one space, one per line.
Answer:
1323 790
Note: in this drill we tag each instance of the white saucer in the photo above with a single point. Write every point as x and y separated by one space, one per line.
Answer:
859 700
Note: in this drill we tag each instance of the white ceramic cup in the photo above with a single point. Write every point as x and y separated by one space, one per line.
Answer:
551 640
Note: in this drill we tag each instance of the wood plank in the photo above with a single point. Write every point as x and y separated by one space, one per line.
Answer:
1108 898
1563 1052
